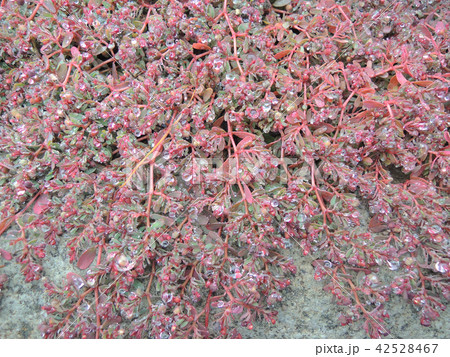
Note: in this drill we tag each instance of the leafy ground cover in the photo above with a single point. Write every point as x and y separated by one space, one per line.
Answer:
179 149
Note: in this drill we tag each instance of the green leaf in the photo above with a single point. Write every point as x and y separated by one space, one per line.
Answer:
248 260
61 71
76 118
243 27
90 171
246 45
18 85
49 6
333 201
157 225
49 176
210 11
98 50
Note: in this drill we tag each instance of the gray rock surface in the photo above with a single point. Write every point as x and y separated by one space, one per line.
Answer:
309 312
305 312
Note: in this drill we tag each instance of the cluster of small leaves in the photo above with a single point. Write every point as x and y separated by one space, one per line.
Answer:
178 148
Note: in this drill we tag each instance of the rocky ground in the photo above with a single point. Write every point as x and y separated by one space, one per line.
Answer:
306 311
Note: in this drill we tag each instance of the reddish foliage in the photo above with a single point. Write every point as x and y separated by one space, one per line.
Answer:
187 144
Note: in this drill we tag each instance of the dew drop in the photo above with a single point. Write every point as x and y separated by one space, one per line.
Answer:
266 107
186 176
122 263
434 230
164 335
217 65
167 297
253 114
373 279
393 264
442 267
91 281
418 300
230 76
75 280
301 218
165 243
327 264
170 43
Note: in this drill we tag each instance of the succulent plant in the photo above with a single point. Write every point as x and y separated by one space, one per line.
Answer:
178 149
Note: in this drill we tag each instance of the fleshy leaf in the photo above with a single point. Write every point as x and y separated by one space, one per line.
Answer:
40 204
282 54
401 78
248 194
5 254
201 46
86 259
67 39
376 226
281 3
371 104
61 71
